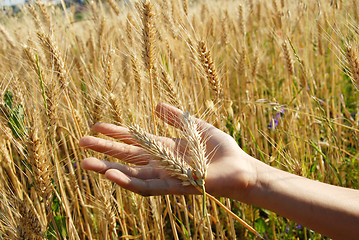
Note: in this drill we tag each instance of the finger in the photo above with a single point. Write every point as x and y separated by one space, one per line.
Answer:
173 116
101 166
169 114
150 187
124 135
114 131
125 152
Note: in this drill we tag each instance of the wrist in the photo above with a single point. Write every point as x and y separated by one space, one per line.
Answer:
247 183
258 184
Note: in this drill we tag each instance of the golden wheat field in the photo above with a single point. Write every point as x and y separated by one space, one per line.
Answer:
281 77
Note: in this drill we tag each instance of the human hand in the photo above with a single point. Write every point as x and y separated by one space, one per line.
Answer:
231 172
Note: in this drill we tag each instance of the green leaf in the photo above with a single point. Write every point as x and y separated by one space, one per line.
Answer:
260 225
183 226
8 99
16 116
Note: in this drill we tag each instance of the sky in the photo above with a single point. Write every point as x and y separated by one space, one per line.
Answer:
10 2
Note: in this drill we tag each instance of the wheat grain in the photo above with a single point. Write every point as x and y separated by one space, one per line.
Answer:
29 225
224 32
45 16
288 59
35 16
210 70
353 65
7 36
50 45
114 6
42 167
248 69
101 33
112 98
172 163
194 170
129 29
241 23
148 37
137 77
97 109
170 89
319 36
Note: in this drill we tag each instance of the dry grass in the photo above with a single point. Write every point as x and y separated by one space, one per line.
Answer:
279 76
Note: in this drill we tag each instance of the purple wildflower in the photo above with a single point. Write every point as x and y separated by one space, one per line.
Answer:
275 121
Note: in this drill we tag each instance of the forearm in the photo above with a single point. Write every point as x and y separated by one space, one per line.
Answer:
330 210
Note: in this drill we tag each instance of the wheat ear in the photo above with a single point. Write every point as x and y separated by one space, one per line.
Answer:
241 24
41 165
353 66
114 6
185 7
210 69
49 44
171 162
148 35
196 148
8 38
45 16
28 222
170 89
192 172
112 98
288 59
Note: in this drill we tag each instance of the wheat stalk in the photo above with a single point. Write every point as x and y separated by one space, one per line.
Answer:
191 172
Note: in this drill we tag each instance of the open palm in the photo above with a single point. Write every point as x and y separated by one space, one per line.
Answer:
229 167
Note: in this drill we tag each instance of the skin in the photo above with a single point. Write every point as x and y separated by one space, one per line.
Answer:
327 209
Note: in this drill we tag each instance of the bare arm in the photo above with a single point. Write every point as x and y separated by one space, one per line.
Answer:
330 210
